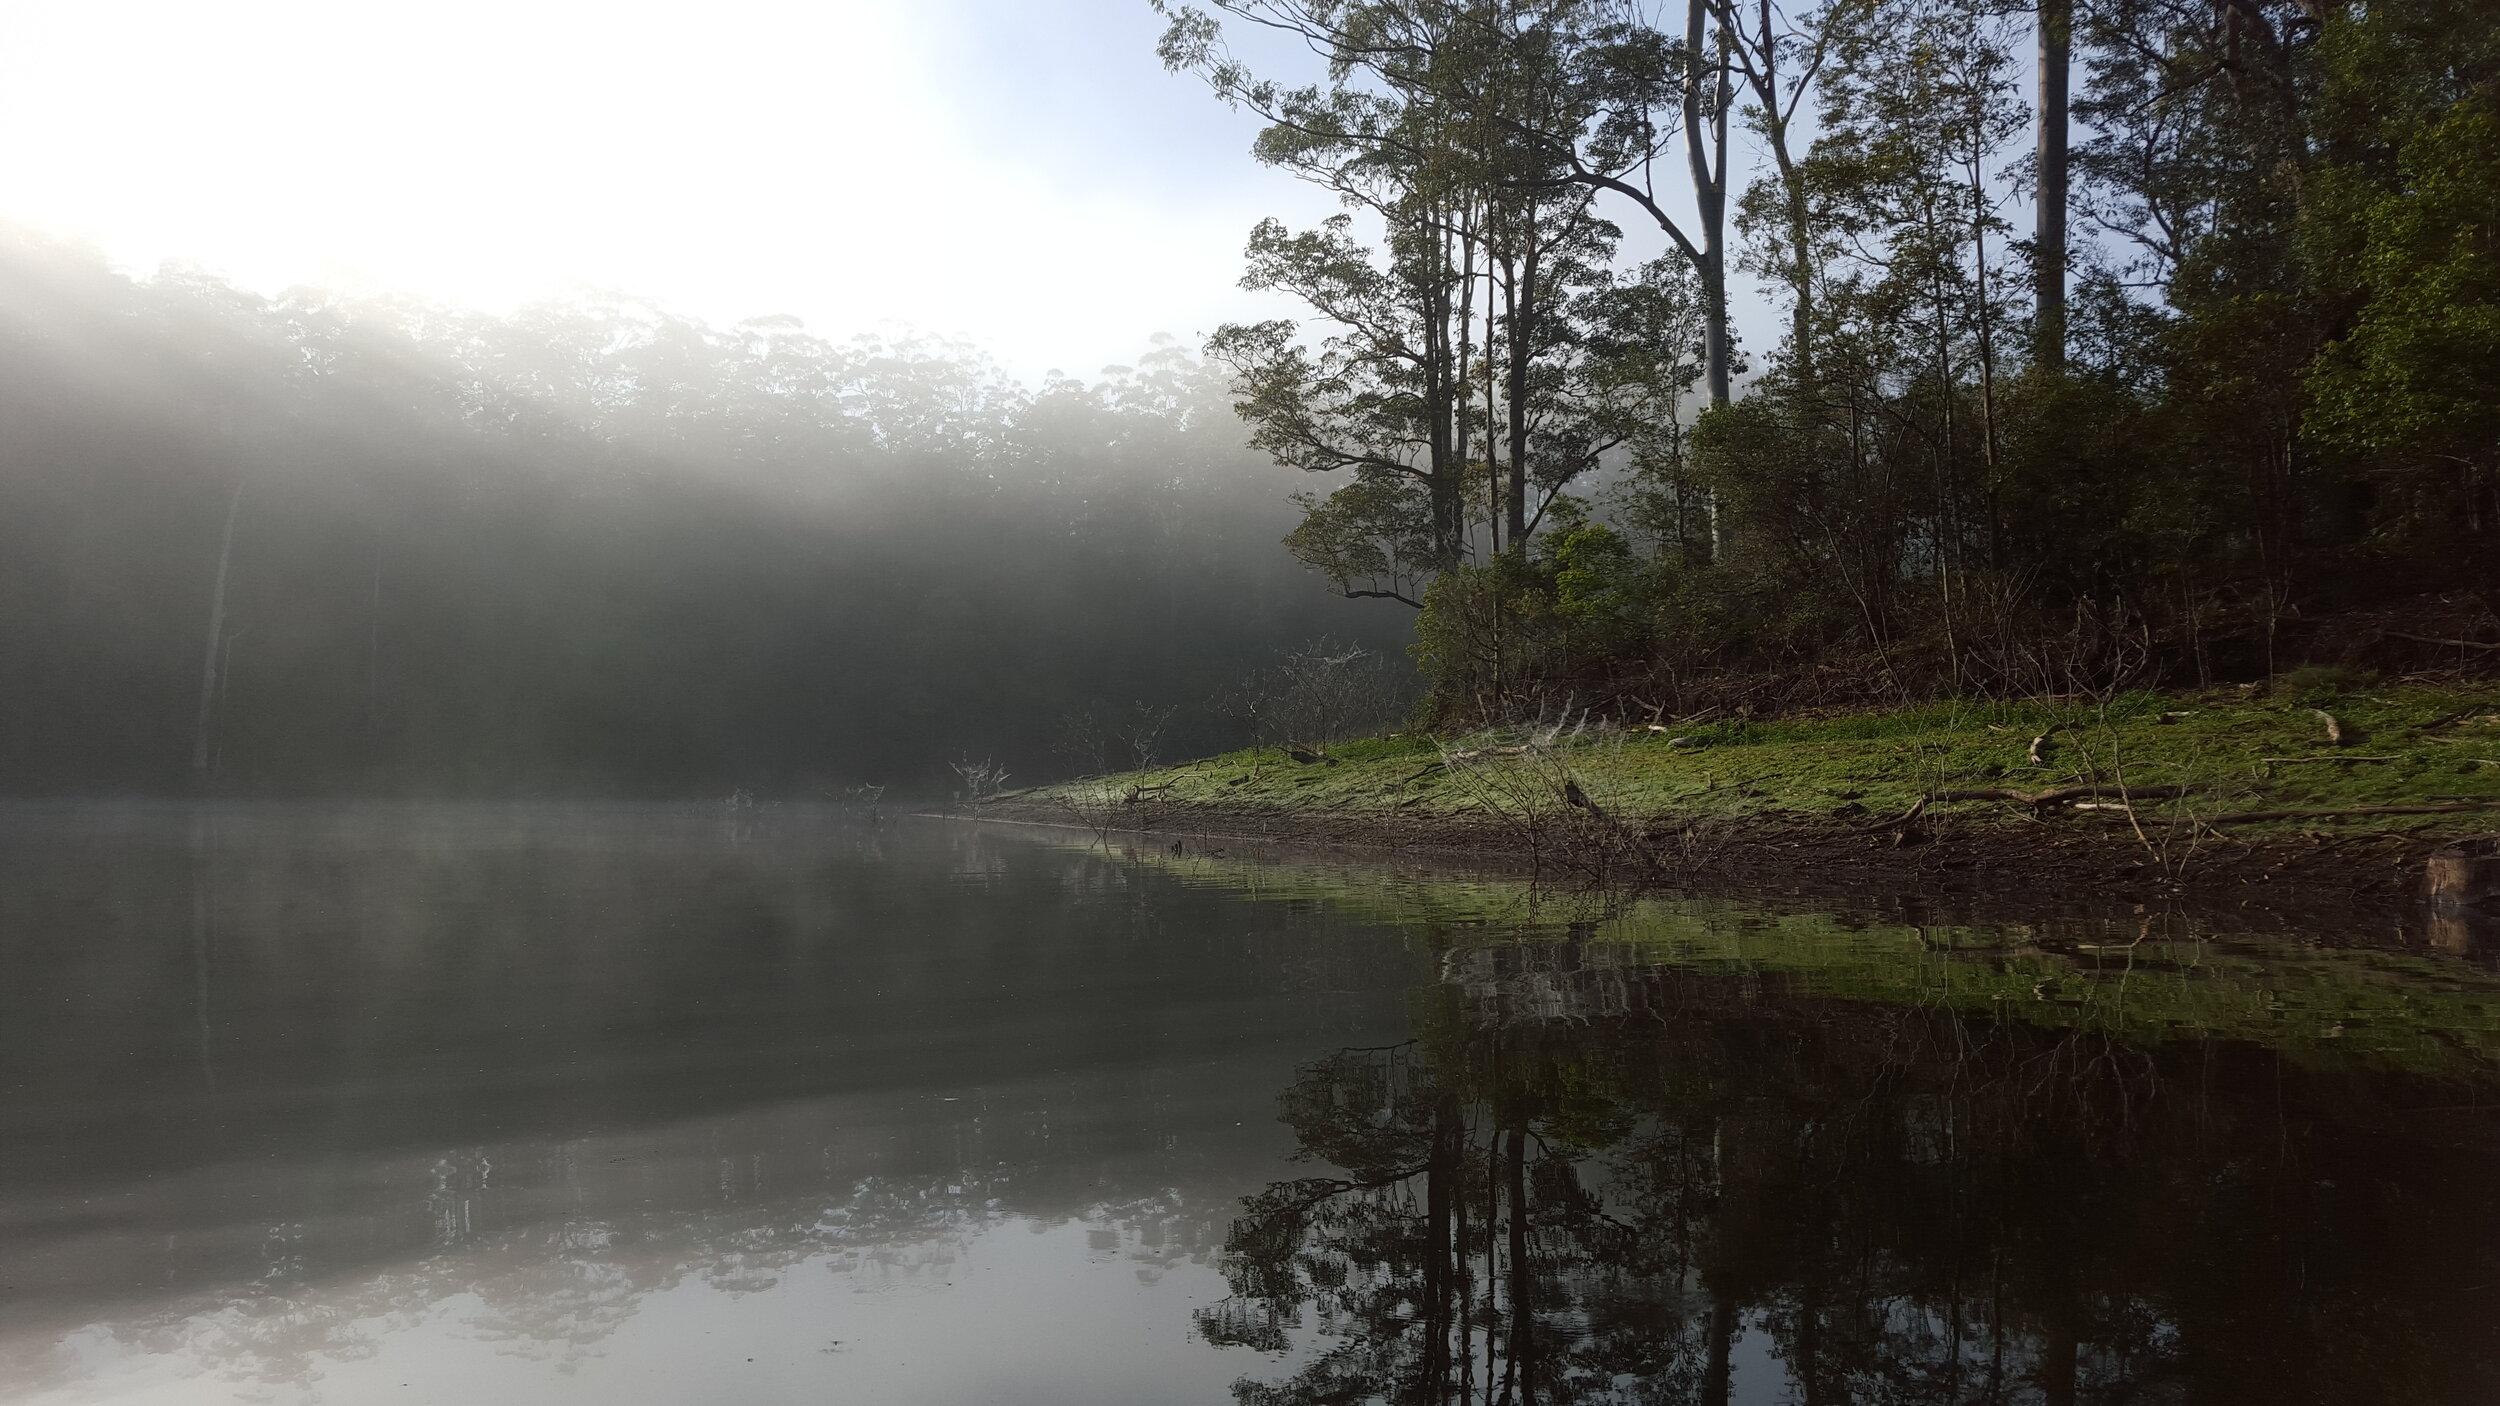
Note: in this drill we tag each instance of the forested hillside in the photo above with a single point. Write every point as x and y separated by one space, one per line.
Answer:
595 549
2119 341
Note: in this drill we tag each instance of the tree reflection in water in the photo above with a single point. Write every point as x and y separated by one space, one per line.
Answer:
1588 1181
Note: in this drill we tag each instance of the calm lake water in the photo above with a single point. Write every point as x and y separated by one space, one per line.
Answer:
642 1105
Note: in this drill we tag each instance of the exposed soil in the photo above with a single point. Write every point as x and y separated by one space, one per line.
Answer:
2367 878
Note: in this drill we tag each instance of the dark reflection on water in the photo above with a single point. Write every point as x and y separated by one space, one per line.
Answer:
1727 1191
636 1105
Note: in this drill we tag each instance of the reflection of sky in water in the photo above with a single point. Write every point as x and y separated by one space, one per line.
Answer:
306 1104
1000 1308
760 1256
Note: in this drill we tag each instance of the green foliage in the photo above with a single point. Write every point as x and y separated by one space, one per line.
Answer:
2272 390
2318 682
2406 218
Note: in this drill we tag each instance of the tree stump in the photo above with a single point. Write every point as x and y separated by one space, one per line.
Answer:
2465 874
2463 880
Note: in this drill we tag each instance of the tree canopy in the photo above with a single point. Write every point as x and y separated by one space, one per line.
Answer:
2239 374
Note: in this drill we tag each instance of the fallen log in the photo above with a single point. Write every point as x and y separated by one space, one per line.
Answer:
2252 817
2060 794
2426 639
2270 763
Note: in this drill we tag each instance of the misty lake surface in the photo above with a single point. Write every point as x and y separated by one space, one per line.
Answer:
462 1104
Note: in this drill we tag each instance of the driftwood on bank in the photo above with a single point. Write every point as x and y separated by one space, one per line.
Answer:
2426 639
2252 817
2334 729
2039 744
2061 794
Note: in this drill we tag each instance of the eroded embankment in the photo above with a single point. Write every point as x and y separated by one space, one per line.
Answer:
2232 797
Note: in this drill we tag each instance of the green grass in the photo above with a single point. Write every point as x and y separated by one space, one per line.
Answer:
2443 744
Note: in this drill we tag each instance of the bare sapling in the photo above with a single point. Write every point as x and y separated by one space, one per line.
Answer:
977 781
1097 806
1566 820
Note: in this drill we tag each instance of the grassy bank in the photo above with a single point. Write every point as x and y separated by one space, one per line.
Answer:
2164 786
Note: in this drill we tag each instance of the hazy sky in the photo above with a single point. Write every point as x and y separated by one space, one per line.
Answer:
1022 172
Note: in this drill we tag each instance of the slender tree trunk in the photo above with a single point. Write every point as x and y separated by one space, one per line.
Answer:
1441 1265
1522 1286
1520 304
1808 1365
1718 1370
1987 363
1460 420
2057 23
1441 373
213 654
2057 1365
1492 429
1765 44
1705 151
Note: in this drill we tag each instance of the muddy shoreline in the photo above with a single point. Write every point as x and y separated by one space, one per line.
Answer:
2372 880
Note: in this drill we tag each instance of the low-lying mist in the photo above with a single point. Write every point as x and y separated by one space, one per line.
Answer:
596 549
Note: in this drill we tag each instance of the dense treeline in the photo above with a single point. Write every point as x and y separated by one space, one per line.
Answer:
2117 335
300 545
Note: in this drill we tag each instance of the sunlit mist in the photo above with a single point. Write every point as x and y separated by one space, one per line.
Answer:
1027 175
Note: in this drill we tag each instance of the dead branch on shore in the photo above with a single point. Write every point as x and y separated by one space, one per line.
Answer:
2253 817
2334 729
2426 639
2062 794
2039 744
1902 821
2272 762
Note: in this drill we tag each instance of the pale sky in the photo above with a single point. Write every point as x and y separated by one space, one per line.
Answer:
1019 172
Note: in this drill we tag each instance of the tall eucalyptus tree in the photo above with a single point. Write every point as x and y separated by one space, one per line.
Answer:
1450 379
